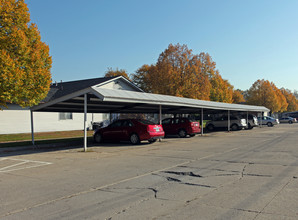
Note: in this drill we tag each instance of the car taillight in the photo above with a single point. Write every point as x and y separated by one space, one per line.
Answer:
194 124
154 128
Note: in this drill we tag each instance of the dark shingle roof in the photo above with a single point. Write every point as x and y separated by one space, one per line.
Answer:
58 90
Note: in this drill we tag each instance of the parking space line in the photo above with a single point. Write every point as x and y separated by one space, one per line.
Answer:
3 168
22 163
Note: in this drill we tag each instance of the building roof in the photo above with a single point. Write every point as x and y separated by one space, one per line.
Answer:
100 100
61 89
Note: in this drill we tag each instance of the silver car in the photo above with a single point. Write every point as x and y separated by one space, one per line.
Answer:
252 120
269 121
236 123
289 120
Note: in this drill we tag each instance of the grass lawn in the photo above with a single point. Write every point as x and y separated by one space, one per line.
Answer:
10 140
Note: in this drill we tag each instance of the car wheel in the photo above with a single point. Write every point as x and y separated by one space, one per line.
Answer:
151 140
210 127
134 139
269 124
234 127
182 133
98 138
192 135
290 122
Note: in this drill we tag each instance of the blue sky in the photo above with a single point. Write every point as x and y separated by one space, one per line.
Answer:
248 40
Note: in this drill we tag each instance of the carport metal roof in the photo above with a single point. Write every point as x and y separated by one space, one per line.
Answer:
98 100
101 100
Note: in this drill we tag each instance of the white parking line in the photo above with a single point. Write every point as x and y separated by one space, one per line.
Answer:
3 168
24 164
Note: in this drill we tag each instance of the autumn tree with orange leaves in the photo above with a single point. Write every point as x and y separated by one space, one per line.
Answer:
265 93
117 72
24 59
238 97
179 72
221 90
291 100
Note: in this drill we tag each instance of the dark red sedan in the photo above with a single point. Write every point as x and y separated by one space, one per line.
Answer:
133 130
181 127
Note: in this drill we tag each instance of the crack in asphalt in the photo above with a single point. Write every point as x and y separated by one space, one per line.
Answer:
183 173
194 184
260 175
243 171
173 179
186 183
155 192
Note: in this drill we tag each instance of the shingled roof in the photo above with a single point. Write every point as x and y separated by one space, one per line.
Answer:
58 90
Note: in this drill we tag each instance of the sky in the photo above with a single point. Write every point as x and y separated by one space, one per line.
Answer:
248 40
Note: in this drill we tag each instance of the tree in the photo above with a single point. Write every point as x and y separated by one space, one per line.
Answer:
238 97
221 90
146 80
282 102
291 100
177 72
261 93
116 72
296 94
24 59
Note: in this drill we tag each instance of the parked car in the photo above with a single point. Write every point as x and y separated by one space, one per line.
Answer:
181 127
236 123
133 130
252 120
267 120
289 120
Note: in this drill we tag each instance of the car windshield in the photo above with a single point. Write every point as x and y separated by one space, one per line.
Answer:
146 122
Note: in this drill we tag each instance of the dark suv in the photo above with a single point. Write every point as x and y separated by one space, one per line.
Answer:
181 127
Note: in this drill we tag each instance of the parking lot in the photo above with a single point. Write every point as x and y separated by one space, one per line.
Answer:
247 174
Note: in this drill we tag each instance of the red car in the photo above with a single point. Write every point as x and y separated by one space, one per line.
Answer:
181 127
133 130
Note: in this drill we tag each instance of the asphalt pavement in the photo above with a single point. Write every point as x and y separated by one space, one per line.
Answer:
248 174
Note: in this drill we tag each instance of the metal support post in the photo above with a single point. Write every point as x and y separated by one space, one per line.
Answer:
261 119
247 119
160 115
202 121
160 118
32 128
229 123
85 122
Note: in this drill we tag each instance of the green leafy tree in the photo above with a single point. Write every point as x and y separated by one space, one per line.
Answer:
24 59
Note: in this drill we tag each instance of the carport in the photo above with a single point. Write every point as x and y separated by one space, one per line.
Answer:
99 100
